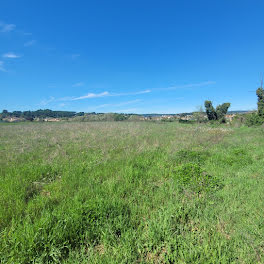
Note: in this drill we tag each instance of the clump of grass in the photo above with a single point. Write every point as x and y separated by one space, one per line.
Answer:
237 157
191 176
196 156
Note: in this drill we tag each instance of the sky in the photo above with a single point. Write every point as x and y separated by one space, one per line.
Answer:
140 56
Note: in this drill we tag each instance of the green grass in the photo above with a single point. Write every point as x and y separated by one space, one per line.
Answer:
131 192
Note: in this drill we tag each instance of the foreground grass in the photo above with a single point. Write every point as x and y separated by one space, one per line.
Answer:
131 193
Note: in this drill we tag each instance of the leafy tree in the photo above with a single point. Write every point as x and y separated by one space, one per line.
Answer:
28 115
260 95
210 111
218 113
5 113
17 113
255 119
221 111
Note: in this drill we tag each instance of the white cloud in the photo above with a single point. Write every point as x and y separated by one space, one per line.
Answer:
6 27
91 95
11 55
191 85
97 95
143 92
2 68
104 94
119 104
78 84
133 93
30 43
47 101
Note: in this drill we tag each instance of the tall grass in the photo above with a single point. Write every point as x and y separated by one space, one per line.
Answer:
131 193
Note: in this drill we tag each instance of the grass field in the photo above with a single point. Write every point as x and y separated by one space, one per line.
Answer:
124 192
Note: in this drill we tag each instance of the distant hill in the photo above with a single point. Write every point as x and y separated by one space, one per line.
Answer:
42 114
191 113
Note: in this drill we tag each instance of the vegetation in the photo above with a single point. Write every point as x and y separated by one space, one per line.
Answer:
218 113
30 115
257 118
105 117
253 119
199 115
131 192
39 115
260 95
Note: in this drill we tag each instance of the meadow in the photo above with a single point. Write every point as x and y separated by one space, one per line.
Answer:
131 192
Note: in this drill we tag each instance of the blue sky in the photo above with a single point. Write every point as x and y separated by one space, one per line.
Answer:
141 56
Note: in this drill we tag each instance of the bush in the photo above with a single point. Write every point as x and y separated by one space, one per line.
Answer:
254 120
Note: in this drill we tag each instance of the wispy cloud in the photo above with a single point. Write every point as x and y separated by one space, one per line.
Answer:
132 93
119 104
191 85
47 101
2 68
11 55
30 43
6 27
103 94
78 84
91 95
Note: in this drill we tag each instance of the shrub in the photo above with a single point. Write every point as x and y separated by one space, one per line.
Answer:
254 119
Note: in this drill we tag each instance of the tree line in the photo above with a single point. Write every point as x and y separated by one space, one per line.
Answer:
45 113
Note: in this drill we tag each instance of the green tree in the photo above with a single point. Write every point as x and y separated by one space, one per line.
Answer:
221 111
260 95
210 111
5 114
218 113
17 113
